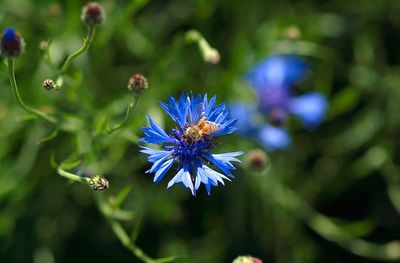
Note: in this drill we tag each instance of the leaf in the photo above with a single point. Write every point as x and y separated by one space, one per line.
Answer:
49 137
122 195
70 164
135 232
344 101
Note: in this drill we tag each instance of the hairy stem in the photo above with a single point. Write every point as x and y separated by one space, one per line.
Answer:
14 87
86 43
130 108
73 177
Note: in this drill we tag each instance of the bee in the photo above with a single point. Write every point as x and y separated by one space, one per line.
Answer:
195 132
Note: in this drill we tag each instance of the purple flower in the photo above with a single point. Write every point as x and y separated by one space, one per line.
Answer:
273 81
191 153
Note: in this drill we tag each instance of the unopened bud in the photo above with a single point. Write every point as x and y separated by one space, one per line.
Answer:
43 45
292 33
93 14
211 55
12 44
54 10
138 83
257 158
49 84
99 183
247 259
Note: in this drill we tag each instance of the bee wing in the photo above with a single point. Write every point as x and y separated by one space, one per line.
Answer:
198 113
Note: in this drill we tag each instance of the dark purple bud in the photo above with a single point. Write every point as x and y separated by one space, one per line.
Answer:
93 14
12 44
138 83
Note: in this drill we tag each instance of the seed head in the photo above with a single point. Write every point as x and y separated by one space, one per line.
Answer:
138 83
93 14
12 44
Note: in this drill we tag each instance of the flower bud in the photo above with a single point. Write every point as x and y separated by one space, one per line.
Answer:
49 84
138 83
93 14
12 44
257 158
247 259
211 55
98 183
43 45
292 33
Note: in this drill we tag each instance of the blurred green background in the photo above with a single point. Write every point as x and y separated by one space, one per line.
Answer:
333 197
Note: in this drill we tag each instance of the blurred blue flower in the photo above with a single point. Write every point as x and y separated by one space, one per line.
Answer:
189 144
273 81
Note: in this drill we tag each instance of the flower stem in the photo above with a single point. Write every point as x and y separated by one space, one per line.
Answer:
121 234
73 177
130 108
14 87
86 43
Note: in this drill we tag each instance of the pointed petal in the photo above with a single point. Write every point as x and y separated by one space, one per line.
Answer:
163 170
155 134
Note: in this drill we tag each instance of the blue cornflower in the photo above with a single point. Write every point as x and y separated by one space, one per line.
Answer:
273 81
189 145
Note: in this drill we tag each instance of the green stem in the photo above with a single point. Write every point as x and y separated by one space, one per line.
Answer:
86 43
14 87
121 233
130 108
73 177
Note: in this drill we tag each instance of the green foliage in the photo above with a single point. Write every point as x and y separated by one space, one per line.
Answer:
333 197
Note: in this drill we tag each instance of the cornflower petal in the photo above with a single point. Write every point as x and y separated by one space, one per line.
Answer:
155 134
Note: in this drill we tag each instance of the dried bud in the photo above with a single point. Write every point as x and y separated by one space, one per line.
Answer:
12 44
247 259
138 83
257 158
49 84
93 14
98 183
